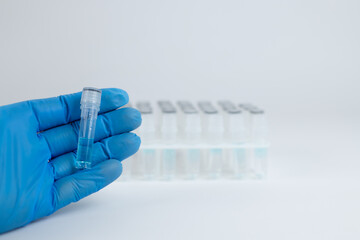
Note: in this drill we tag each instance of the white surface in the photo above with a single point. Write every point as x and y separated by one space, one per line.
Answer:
313 192
218 210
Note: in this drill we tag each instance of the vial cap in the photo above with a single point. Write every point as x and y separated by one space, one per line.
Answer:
166 107
229 107
256 111
91 97
144 107
207 107
187 107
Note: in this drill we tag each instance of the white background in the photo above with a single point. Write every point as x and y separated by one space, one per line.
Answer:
300 60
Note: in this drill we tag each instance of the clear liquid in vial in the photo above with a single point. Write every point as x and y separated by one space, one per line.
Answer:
84 151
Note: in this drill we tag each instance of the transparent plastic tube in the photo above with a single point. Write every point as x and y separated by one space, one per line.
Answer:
213 131
168 131
235 163
190 131
259 137
147 162
90 106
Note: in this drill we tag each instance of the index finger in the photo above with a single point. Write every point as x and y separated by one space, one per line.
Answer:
56 111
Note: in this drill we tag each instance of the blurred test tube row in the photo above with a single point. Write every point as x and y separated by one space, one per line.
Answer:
203 140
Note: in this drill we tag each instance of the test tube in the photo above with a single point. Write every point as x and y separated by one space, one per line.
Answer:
190 129
259 139
90 106
168 130
213 130
236 162
258 126
234 123
247 119
147 164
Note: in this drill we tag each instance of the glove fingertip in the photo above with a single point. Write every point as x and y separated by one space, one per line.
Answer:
113 98
111 169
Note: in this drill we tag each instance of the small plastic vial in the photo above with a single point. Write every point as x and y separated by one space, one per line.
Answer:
147 163
259 139
190 133
236 162
90 106
213 131
168 130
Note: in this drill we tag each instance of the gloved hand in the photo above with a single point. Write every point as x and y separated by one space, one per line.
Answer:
38 141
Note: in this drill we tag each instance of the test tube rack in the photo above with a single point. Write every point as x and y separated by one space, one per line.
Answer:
187 141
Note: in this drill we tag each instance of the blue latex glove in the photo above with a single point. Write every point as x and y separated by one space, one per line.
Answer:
38 141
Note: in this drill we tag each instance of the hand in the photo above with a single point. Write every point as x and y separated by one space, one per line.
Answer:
38 140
